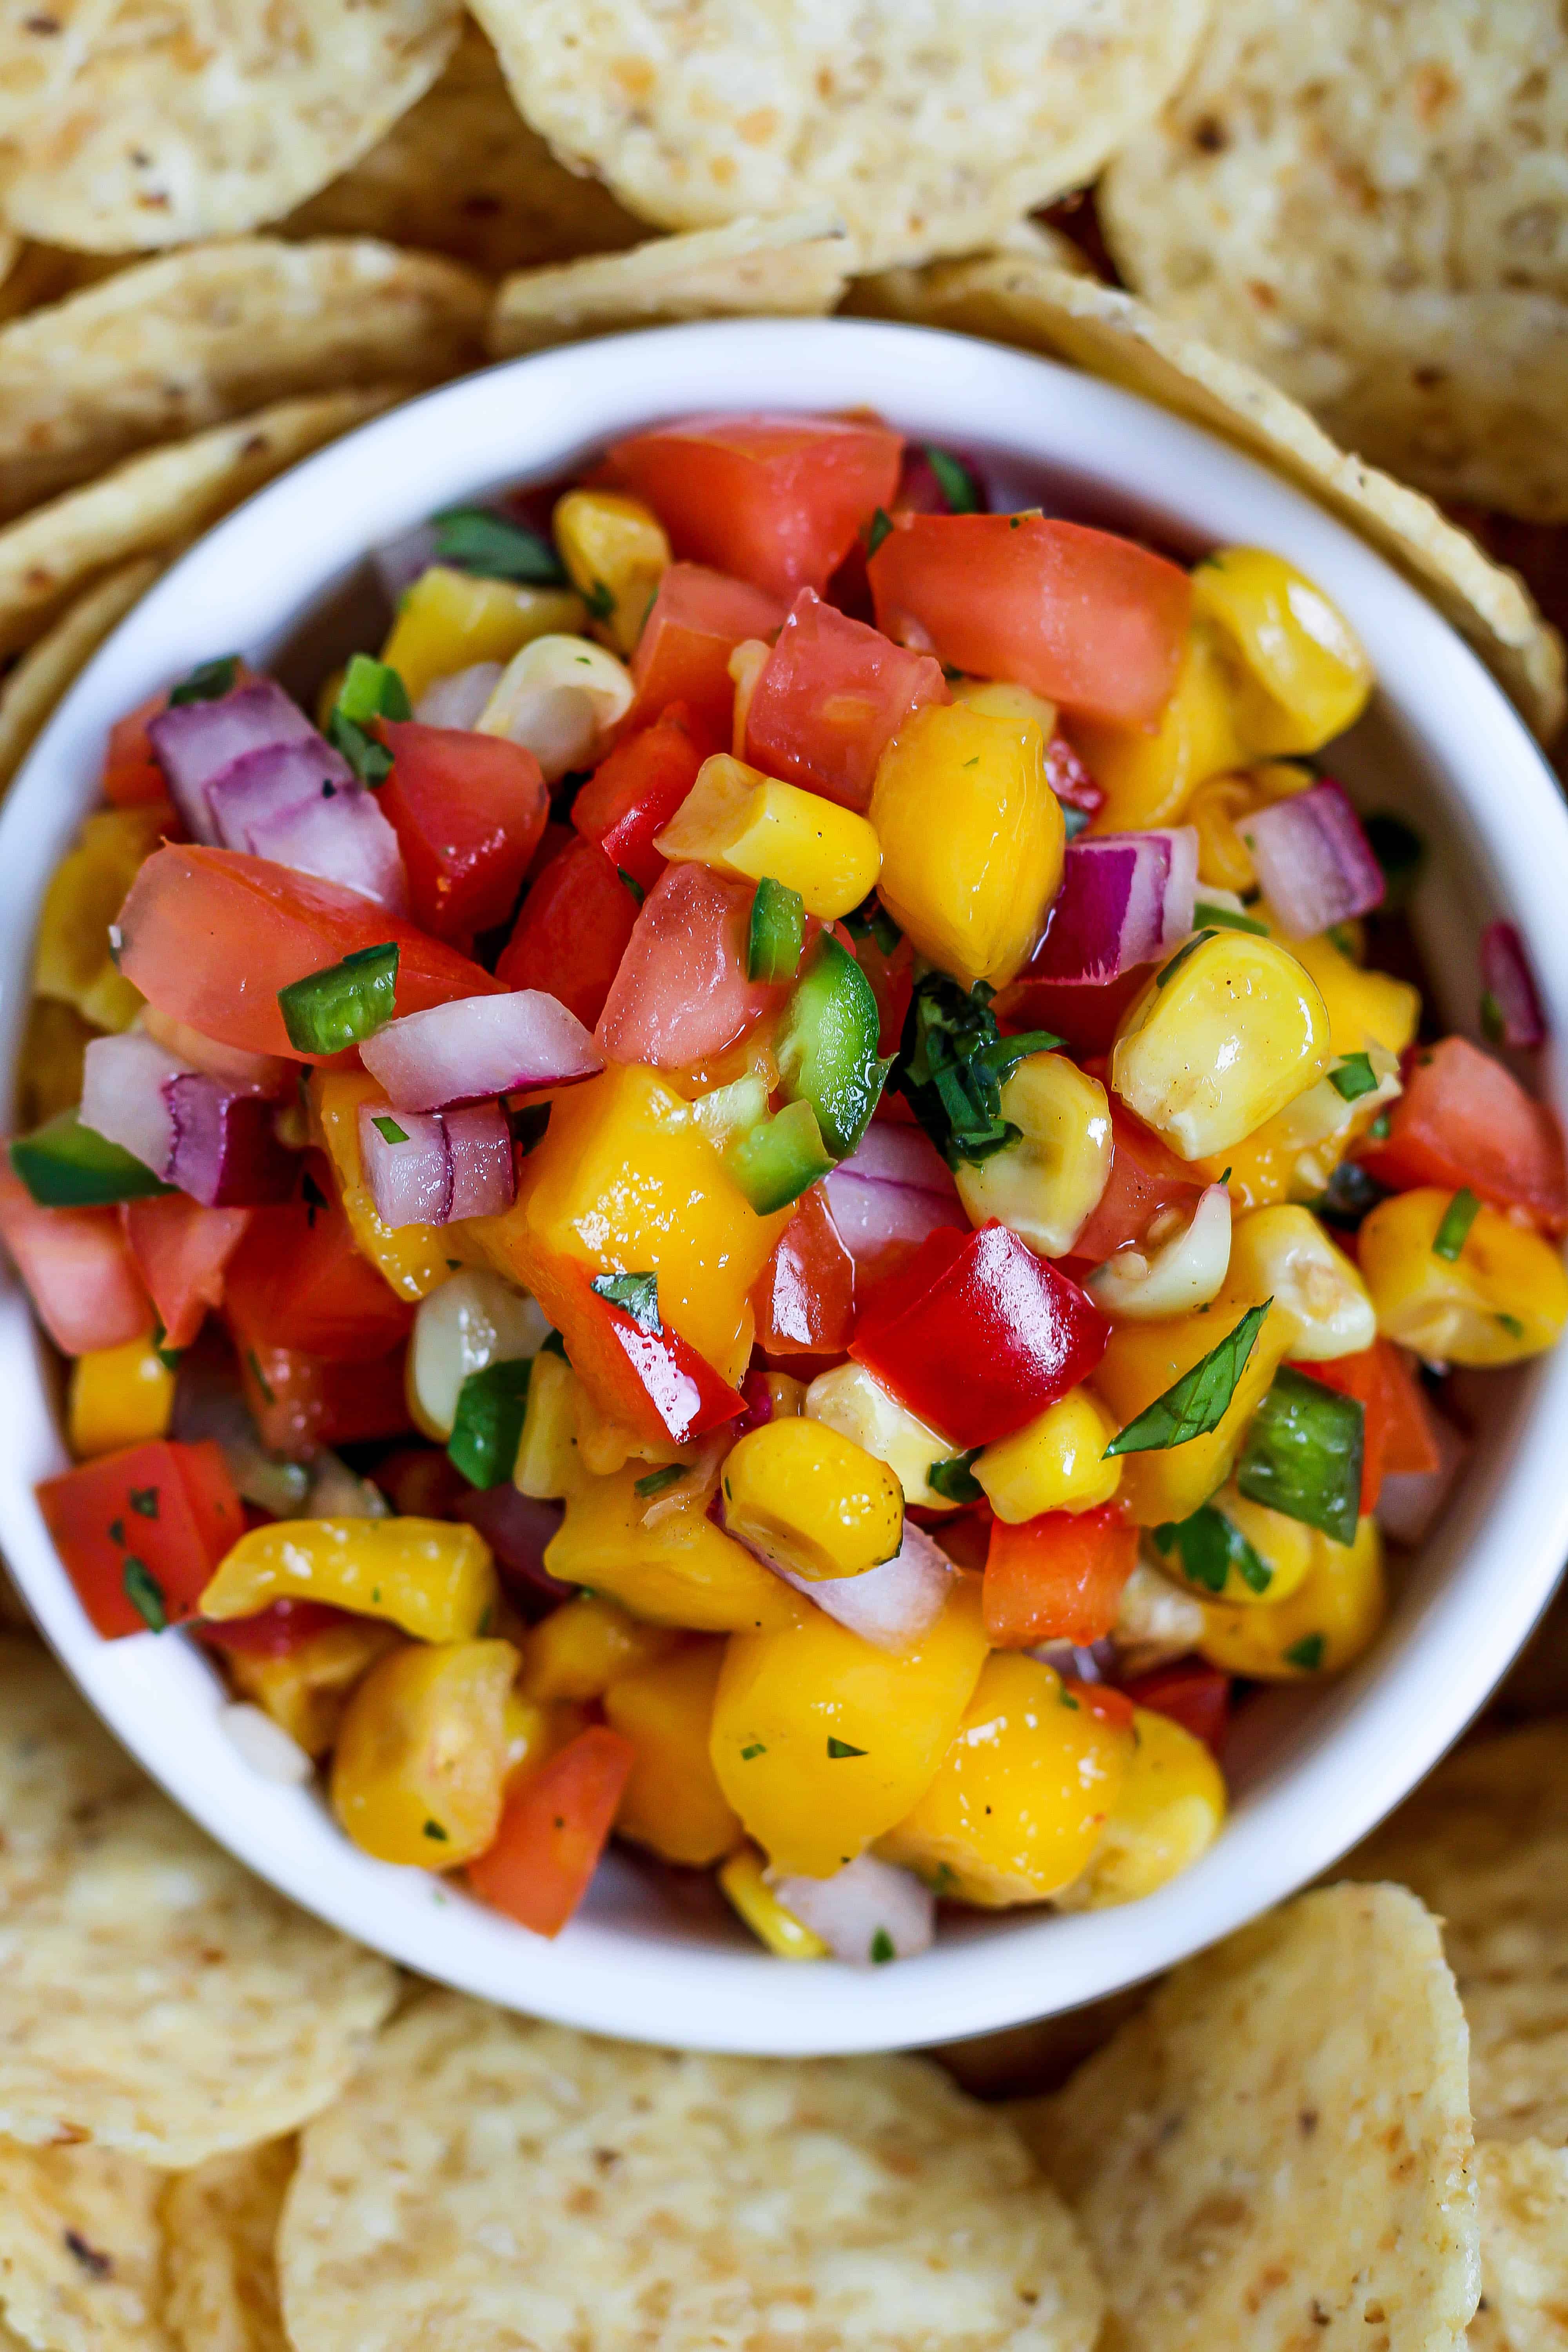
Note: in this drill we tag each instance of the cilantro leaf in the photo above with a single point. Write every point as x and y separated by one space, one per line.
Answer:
1354 1076
1454 1232
952 1063
472 539
389 1130
208 682
1211 917
953 1478
1307 1654
145 1592
635 1295
654 1482
881 524
838 1747
1198 1402
1209 1546
955 480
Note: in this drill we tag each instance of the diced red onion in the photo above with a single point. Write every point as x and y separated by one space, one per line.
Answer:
759 1404
398 565
517 1530
1125 898
450 1165
894 1187
478 1047
1314 860
256 1073
1507 980
214 1142
1069 779
1076 1665
868 1911
457 700
194 742
890 1606
1409 1501
340 835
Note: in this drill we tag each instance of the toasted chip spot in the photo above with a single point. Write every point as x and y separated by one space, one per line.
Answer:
80 2250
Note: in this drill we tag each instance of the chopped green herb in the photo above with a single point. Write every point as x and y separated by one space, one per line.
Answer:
145 1502
1491 1018
1342 937
116 1532
881 524
65 1165
952 1063
474 540
1199 1400
208 682
389 1130
1454 1231
776 932
955 480
145 1592
1227 919
654 1482
434 1829
632 885
1511 1325
1354 1076
635 1295
259 1377
487 1428
370 691
838 1747
1307 1654
882 1949
870 917
1302 1454
601 603
953 1480
168 1357
1163 978
755 1749
1398 851
1226 1178
343 1004
1379 1128
1209 1546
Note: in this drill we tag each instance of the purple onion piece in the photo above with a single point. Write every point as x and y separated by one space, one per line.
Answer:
193 743
478 1047
398 565
425 1168
216 1142
1313 861
1511 985
517 1530
894 1187
340 836
869 1912
1125 898
890 1606
263 786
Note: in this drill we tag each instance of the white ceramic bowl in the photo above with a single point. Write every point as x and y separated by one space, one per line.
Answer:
1311 1771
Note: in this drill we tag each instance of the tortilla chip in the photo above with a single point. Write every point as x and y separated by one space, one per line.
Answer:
47 273
31 691
1275 2152
508 204
151 501
155 1998
795 267
1360 203
80 2250
487 2180
1015 299
1523 2195
187 120
1485 1843
220 2223
928 128
173 345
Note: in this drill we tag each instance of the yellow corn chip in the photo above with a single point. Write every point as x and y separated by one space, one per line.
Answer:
220 2226
1523 2195
80 2250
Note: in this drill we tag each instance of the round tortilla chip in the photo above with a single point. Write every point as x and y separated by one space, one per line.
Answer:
80 2250
31 691
793 267
487 2183
220 2269
183 119
154 1999
1368 202
1485 1843
462 174
1523 2195
1016 298
931 127
1275 2152
160 350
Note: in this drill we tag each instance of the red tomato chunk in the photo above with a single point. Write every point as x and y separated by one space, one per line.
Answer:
468 810
553 1831
681 994
573 932
634 793
1464 1120
829 700
141 1531
1057 1577
697 619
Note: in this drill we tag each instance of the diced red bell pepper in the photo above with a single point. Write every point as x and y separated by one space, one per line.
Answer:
697 620
1057 1577
632 793
182 1252
978 1335
680 996
468 810
1195 1695
1103 1699
829 699
553 1830
1410 1446
139 1532
1084 1014
571 932
300 1403
421 1482
1083 617
654 1382
1465 1121
77 1270
1145 1177
211 936
803 1298
275 1632
132 776
299 1281
775 500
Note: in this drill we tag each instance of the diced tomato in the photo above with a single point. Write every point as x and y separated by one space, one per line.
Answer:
1464 1119
297 1281
421 1482
1111 1706
697 620
681 995
805 1297
131 774
553 1830
632 793
275 1632
300 1403
1410 1445
1359 1376
139 1532
468 810
829 699
180 1252
1145 1177
1192 1694
1083 617
573 932
1057 1577
77 1269
775 500
211 936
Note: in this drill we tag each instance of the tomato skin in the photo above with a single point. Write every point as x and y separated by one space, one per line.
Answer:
553 1830
830 697
697 620
211 936
182 1252
298 1282
1084 1014
300 1403
1087 619
1057 1577
1145 1177
132 776
680 995
632 793
468 810
1195 1695
775 500
571 932
1465 1121
167 1507
1396 1434
803 1298
75 1269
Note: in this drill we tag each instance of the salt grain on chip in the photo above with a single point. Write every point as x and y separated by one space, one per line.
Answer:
155 2000
220 2226
486 2182
1274 2154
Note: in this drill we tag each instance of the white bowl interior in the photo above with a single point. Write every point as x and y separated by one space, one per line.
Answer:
653 1956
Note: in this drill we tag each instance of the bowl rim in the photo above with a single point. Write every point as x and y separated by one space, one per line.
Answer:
613 1970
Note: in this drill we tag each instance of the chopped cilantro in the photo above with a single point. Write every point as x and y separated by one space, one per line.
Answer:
145 1592
882 1949
600 601
1511 1325
208 682
1198 1402
838 1747
656 1480
1209 1546
1307 1654
632 885
635 1295
1354 1076
389 1130
145 1502
1163 978
259 1377
472 539
952 1063
1454 1231
953 1479
434 1829
1227 919
881 524
756 1749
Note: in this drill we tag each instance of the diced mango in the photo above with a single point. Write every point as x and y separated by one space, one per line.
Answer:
1168 1813
673 1802
307 1689
1503 1297
1334 1613
674 1569
1148 779
119 1396
804 1494
1302 676
436 1577
72 958
419 1770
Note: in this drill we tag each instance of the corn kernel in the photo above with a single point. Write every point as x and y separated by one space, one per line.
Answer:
1054 1463
547 1466
1229 1032
1167 1813
853 1400
673 1804
753 1900
307 1689
578 1651
1224 861
674 1569
746 664
994 698
419 1769
615 553
448 620
1148 779
1334 1613
739 820
1179 1267
1047 1184
1503 1298
806 1496
71 959
436 1577
1284 1254
473 1321
561 699
119 1396
1303 676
